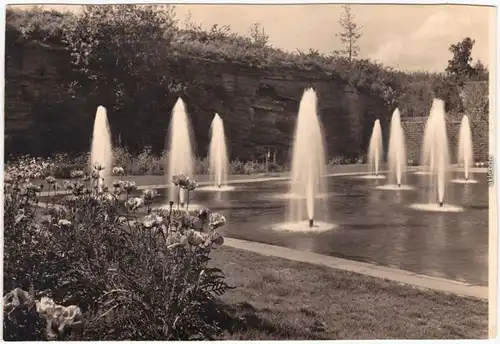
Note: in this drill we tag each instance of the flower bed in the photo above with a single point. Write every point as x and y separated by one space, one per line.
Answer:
100 272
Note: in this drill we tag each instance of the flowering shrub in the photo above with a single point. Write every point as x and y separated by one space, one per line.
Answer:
340 160
146 163
119 268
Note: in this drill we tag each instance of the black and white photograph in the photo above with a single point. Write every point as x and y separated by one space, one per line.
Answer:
249 172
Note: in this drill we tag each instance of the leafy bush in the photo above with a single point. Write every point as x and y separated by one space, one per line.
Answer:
340 160
147 163
237 167
133 271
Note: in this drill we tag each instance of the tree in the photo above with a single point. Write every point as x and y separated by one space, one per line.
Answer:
258 35
459 66
119 55
480 71
350 35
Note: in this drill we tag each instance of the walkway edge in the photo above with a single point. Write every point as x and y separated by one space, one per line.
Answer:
229 182
393 274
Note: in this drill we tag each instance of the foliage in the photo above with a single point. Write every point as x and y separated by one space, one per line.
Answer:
133 271
258 35
116 46
476 100
480 72
38 23
459 66
350 35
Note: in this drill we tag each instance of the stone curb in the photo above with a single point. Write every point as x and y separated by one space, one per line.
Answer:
378 271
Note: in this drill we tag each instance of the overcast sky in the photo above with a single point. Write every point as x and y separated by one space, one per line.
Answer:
408 37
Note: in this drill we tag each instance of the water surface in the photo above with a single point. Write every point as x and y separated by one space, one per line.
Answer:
374 226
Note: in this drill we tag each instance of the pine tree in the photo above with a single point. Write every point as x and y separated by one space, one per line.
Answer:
350 35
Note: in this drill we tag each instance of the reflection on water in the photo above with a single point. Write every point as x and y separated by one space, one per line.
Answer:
372 225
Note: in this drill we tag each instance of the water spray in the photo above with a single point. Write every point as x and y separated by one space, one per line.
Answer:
375 148
308 163
217 156
180 160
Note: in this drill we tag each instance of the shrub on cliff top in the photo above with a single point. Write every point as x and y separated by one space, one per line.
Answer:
104 55
37 23
96 40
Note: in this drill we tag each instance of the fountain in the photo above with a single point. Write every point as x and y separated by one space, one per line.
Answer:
375 151
101 152
436 158
218 160
180 159
308 170
465 152
396 156
427 160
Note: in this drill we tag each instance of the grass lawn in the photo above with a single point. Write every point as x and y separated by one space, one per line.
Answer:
278 299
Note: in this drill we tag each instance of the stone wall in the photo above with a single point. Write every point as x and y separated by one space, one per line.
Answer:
37 73
414 134
258 107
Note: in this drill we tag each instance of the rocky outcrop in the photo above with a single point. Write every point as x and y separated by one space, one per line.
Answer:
258 106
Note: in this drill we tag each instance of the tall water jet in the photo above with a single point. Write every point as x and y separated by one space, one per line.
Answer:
427 161
397 150
396 157
180 160
375 152
218 161
101 152
465 150
435 155
437 150
308 162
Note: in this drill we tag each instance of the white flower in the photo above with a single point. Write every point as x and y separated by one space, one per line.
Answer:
50 180
64 223
109 198
118 171
129 186
149 194
216 220
134 203
152 220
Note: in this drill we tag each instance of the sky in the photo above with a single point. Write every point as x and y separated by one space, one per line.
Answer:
406 37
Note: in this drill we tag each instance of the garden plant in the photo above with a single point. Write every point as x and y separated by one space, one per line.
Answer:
103 264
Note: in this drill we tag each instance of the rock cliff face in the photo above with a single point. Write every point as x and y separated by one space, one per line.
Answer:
258 107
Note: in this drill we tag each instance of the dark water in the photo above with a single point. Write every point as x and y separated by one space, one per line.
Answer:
374 226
